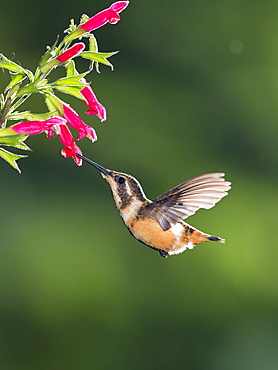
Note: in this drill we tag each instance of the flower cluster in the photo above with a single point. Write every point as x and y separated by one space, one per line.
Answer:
60 115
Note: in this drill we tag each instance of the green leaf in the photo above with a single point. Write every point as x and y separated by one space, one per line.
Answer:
11 66
17 141
53 103
72 27
11 158
16 116
16 79
83 18
71 90
99 57
42 84
70 68
70 81
13 91
27 115
30 89
29 75
93 46
14 67
38 116
50 52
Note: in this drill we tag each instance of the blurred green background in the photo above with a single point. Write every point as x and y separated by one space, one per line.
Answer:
195 89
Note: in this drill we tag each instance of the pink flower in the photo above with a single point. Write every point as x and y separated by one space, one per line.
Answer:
71 52
92 102
58 125
76 122
71 149
110 15
37 127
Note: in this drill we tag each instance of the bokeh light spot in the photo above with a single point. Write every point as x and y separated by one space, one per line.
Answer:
236 47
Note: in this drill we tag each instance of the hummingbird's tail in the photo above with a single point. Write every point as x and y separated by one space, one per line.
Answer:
196 236
216 239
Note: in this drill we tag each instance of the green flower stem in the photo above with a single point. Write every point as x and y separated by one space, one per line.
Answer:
21 101
76 33
5 112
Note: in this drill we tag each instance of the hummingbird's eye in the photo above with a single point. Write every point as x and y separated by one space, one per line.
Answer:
120 179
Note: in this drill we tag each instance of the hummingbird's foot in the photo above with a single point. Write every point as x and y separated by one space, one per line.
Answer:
163 253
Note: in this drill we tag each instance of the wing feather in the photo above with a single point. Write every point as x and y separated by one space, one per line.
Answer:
184 200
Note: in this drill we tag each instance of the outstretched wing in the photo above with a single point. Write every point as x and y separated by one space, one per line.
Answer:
184 200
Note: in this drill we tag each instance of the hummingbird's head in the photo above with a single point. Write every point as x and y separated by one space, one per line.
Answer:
125 188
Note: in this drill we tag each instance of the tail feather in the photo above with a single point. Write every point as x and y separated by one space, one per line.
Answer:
196 236
216 239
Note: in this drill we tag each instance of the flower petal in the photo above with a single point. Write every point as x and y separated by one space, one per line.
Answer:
110 15
71 52
119 6
71 149
91 101
76 122
37 127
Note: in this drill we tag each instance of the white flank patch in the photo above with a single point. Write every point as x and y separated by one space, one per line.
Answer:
178 230
189 245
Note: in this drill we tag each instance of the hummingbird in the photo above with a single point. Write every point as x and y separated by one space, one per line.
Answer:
159 223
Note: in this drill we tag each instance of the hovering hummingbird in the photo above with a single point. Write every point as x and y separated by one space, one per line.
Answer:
159 223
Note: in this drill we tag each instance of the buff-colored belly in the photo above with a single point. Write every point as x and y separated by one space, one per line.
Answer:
150 232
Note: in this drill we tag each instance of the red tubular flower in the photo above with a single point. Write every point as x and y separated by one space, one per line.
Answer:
71 149
37 127
92 102
110 15
76 122
59 125
71 52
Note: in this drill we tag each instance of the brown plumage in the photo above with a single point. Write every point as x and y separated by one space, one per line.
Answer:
159 223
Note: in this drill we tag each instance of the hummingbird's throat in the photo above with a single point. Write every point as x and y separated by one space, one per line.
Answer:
122 195
130 211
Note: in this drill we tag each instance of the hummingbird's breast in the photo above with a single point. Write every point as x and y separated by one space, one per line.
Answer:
148 231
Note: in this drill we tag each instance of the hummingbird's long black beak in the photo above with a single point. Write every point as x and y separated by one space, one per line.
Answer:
97 166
